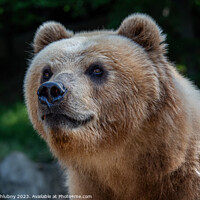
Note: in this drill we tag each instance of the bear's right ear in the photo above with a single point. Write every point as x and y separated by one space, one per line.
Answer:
49 32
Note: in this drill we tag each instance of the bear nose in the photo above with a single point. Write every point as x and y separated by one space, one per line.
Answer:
51 92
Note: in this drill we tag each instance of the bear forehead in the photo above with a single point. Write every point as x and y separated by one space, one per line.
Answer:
87 43
63 47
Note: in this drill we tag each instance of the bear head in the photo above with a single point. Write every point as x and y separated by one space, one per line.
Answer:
90 90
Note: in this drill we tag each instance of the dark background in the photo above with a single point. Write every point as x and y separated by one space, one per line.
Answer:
19 19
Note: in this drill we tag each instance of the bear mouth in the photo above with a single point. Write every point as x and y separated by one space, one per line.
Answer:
57 120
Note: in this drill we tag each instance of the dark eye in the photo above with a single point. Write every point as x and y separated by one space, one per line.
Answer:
47 74
95 69
96 72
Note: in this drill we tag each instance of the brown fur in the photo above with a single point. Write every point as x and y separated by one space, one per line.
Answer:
143 141
50 32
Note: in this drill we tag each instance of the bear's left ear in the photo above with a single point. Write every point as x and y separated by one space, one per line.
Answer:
49 32
143 30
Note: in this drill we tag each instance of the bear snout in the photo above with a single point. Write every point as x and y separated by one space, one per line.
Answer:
50 93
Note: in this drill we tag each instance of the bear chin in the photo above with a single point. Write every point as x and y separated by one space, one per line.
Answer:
62 120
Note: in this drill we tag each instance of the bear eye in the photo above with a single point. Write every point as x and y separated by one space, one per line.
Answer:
96 72
47 74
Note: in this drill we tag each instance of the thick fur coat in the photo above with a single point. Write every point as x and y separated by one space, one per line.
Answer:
128 127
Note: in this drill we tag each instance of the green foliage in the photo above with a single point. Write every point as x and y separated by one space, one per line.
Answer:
181 68
17 134
197 2
25 12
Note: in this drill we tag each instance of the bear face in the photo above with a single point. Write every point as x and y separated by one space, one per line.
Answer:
103 72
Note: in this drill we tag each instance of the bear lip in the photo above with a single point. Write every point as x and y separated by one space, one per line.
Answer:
56 120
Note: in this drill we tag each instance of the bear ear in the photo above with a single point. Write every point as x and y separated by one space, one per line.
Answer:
142 29
49 32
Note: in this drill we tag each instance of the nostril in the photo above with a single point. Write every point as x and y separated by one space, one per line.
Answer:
55 92
43 91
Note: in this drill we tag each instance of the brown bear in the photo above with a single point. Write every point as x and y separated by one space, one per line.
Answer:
115 112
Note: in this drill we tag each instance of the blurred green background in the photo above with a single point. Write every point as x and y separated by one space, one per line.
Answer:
19 20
